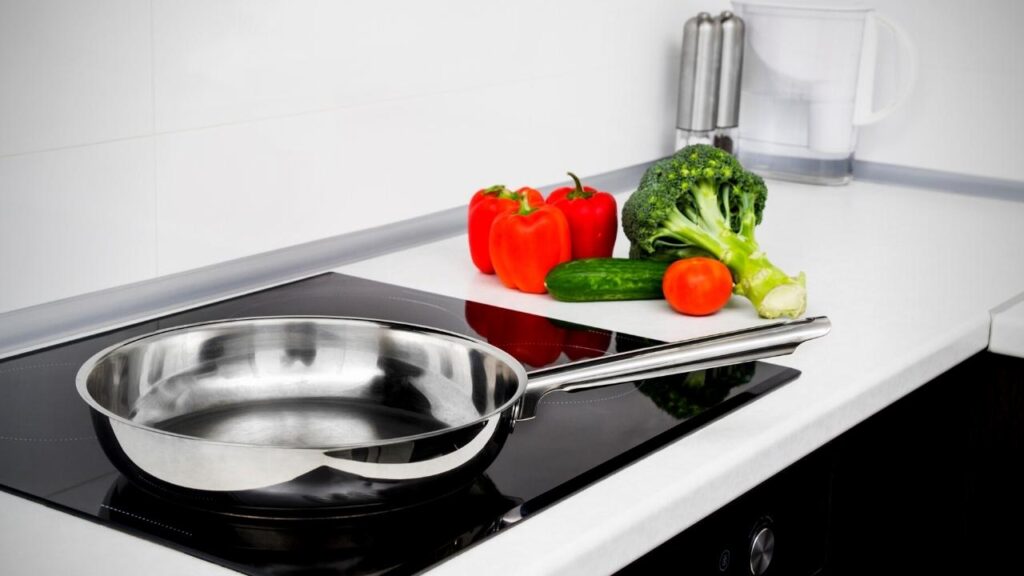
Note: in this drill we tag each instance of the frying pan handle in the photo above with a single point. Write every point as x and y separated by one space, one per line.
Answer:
672 358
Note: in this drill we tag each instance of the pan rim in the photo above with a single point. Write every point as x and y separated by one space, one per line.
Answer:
82 376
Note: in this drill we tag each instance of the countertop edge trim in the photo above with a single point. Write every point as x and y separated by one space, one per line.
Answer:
1006 332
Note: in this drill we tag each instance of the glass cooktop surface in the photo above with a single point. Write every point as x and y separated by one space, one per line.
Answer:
50 453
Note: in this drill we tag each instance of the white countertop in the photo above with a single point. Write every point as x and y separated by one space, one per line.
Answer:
909 278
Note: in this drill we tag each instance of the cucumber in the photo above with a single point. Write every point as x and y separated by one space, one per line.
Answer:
599 279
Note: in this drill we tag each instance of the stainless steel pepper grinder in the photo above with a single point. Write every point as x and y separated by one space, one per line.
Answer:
698 81
727 117
709 81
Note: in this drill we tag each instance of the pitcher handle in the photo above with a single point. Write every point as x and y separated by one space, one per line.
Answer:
863 114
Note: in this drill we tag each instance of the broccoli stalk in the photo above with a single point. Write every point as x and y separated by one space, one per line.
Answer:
702 200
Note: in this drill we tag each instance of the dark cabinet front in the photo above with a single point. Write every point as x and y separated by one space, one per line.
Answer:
931 484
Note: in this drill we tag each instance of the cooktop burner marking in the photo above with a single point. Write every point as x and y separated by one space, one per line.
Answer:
414 301
510 344
36 367
586 348
69 439
592 400
154 522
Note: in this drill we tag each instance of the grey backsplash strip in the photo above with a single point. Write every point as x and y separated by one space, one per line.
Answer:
936 180
54 322
51 323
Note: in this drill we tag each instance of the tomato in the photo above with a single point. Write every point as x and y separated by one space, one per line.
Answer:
697 286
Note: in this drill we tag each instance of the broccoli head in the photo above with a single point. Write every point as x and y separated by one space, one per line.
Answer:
701 200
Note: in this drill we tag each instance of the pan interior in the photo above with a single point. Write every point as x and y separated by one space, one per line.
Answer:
309 382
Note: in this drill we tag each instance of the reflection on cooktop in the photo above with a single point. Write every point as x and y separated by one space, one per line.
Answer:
408 539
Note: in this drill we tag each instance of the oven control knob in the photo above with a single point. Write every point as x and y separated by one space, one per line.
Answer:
762 548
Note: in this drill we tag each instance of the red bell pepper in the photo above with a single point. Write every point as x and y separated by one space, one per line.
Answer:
527 244
485 205
593 219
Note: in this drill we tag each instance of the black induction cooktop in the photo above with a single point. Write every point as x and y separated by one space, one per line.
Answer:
49 453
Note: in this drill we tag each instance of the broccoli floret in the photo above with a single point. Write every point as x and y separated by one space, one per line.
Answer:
701 199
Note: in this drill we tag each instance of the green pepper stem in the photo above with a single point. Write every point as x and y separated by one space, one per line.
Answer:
524 204
500 191
579 192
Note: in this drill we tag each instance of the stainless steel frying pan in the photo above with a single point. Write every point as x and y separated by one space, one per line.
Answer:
314 412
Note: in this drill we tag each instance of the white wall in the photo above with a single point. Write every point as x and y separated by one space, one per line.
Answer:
144 138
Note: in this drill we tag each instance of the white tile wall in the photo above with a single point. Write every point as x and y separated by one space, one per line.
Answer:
274 122
229 191
958 130
73 73
240 60
75 220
